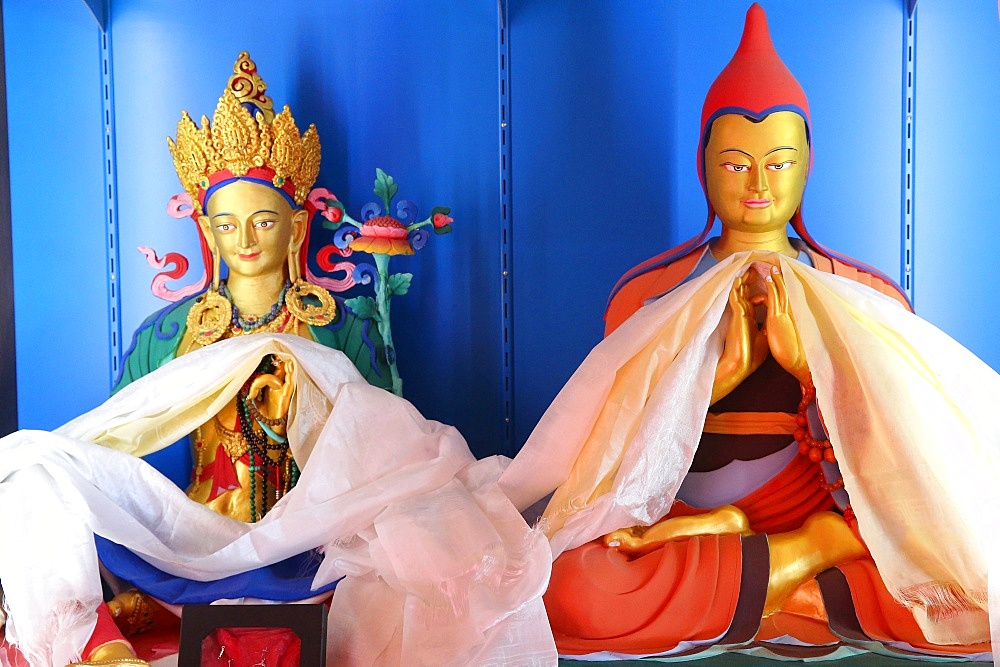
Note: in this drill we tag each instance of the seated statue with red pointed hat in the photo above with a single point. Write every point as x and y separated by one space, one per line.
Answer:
710 473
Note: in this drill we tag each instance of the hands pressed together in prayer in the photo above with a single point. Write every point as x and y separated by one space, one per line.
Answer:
748 343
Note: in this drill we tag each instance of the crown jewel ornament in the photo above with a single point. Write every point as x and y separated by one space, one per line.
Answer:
245 139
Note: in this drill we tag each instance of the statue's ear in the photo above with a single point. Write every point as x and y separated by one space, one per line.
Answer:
206 231
300 223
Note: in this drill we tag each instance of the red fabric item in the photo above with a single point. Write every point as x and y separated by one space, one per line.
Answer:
803 616
222 472
600 600
784 503
162 641
250 647
11 654
105 632
755 81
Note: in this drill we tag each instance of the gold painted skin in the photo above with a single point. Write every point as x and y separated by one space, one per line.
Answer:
746 165
747 162
253 229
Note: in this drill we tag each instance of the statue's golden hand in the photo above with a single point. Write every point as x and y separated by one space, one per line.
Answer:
746 345
779 327
272 392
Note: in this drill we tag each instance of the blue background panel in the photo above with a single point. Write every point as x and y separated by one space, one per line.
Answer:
53 67
955 241
606 106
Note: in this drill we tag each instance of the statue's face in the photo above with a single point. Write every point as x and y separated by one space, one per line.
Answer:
756 172
252 227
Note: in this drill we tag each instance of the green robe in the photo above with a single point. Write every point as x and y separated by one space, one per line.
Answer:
157 339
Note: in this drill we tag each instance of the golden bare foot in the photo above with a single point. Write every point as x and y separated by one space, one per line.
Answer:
824 541
133 612
112 653
636 541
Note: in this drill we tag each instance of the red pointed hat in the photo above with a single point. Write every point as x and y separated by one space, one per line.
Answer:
754 83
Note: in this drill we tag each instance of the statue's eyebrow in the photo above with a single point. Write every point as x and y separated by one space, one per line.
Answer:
263 210
773 150
735 150
782 148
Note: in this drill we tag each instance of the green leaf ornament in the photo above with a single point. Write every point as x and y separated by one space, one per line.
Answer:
385 188
364 308
399 283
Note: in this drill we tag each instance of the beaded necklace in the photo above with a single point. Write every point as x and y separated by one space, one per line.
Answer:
813 449
269 453
253 322
818 451
278 320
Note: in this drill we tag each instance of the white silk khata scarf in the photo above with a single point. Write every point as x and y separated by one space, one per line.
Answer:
911 413
440 568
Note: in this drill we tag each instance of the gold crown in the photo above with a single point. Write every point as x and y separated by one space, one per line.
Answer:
238 141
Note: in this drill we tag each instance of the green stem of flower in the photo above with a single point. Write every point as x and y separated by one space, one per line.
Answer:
382 298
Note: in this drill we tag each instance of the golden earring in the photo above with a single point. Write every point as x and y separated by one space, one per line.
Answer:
306 302
211 313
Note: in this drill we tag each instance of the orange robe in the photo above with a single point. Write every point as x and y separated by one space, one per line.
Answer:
654 278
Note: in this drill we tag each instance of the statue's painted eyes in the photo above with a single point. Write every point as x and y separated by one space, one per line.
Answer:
738 168
264 224
781 165
225 228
